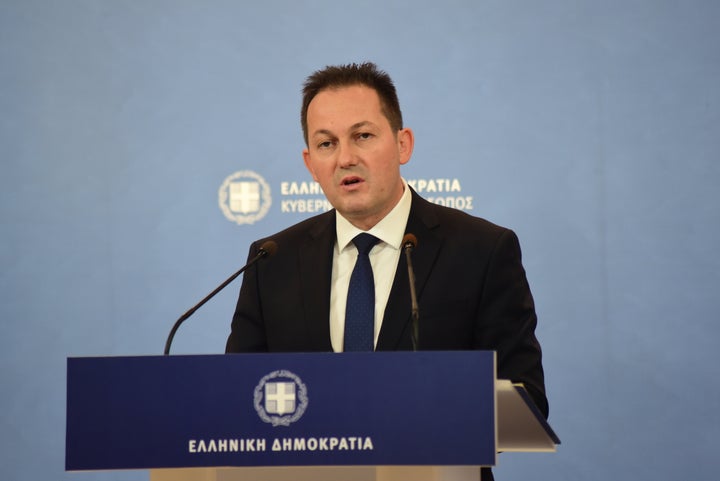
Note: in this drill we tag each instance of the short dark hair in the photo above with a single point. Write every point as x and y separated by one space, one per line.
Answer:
367 74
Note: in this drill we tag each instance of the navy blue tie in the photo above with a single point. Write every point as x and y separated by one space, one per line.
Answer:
360 309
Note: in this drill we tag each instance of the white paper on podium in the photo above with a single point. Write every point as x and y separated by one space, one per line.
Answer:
520 425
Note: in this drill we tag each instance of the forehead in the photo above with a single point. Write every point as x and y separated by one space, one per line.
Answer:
344 106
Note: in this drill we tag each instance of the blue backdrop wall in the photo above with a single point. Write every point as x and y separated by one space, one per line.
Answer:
591 128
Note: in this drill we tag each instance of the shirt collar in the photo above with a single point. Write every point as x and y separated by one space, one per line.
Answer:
389 230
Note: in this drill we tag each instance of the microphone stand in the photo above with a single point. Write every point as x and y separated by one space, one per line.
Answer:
409 243
267 249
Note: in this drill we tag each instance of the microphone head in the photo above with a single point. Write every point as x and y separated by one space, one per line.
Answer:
409 240
269 247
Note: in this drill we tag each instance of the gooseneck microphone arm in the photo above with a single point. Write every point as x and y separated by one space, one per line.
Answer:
409 242
266 250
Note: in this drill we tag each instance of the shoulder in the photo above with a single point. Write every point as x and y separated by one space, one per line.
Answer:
311 229
459 231
453 221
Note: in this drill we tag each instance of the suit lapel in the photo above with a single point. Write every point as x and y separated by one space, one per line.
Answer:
315 254
395 331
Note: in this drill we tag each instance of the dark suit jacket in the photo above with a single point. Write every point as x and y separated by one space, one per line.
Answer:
471 285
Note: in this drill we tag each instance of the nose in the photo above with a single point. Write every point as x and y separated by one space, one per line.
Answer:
347 157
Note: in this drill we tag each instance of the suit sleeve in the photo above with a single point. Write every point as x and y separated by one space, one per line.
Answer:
247 332
507 319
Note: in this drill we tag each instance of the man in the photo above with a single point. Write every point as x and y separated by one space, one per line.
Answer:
471 285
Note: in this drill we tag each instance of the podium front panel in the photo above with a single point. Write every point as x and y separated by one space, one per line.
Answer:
382 408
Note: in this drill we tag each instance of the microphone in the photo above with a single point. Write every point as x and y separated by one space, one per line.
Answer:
267 249
409 243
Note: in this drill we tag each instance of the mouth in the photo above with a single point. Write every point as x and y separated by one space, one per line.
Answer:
349 181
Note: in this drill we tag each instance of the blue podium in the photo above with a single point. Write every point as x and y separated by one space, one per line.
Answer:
276 417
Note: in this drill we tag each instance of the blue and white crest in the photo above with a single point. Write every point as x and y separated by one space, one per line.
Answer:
280 398
244 197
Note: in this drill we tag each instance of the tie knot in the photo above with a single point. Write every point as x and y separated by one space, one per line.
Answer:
365 242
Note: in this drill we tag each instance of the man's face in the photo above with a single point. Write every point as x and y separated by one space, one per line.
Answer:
354 154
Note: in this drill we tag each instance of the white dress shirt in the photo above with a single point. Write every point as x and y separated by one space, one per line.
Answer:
384 258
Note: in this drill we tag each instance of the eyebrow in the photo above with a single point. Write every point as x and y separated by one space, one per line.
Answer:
354 126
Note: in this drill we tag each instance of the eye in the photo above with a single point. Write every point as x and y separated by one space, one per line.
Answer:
365 135
325 144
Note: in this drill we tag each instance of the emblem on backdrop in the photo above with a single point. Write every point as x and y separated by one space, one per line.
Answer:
280 398
244 197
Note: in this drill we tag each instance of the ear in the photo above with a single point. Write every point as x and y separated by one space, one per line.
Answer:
308 163
406 142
